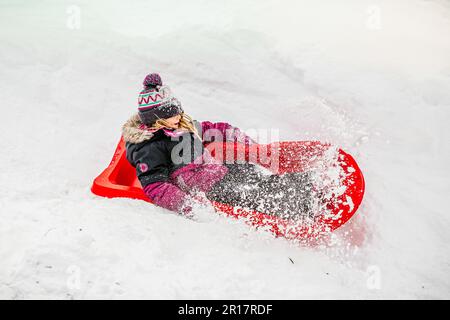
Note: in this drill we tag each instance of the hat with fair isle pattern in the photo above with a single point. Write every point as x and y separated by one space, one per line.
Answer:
156 101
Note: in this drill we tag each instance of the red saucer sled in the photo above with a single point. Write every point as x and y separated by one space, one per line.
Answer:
119 180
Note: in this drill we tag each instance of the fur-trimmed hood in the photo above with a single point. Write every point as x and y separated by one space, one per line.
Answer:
134 131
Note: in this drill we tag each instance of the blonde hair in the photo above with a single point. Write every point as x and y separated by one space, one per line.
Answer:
186 123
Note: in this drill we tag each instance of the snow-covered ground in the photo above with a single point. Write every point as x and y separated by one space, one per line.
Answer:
370 76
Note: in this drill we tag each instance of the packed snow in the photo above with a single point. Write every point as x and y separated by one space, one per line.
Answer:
372 77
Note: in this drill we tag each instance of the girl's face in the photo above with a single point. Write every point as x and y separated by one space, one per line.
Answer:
174 122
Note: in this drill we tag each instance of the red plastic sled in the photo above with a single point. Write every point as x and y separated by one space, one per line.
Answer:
119 180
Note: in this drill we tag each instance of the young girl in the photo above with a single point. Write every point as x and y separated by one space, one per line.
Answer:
167 148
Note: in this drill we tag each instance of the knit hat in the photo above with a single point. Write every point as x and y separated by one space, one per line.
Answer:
156 101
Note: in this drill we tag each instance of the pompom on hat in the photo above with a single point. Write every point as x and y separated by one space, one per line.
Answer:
156 101
152 80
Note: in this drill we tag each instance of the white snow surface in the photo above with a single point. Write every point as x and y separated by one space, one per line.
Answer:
370 76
